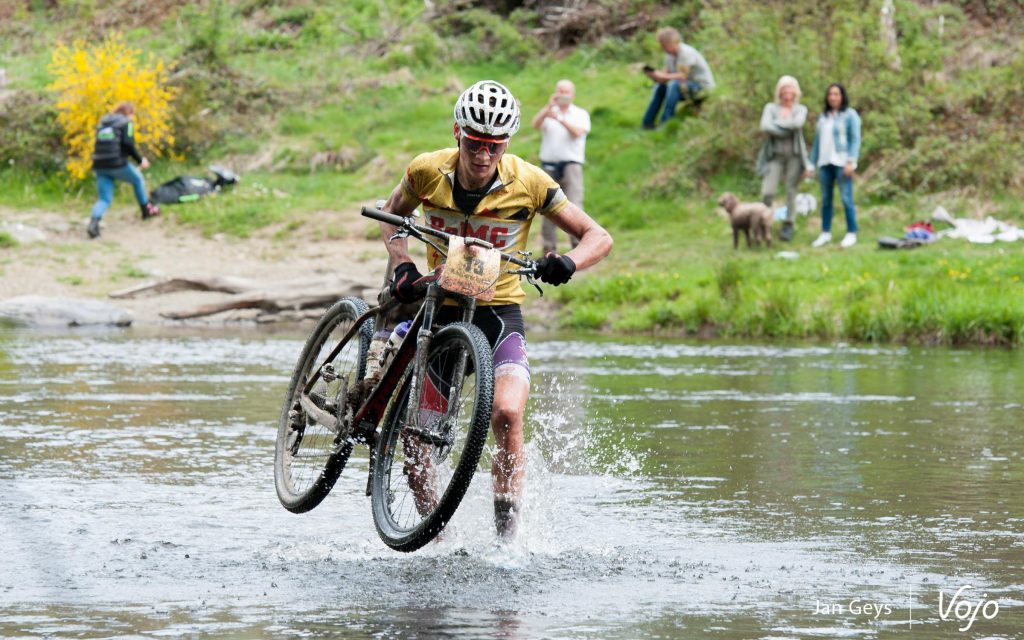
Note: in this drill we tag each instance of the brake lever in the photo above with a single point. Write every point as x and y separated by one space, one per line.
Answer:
402 232
529 278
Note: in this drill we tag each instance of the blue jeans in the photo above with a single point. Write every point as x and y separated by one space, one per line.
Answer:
105 182
669 93
828 175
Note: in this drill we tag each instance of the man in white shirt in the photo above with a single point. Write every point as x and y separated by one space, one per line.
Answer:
564 128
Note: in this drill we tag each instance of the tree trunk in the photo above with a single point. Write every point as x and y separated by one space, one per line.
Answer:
889 34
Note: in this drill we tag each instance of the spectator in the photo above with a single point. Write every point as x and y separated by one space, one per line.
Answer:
836 146
563 127
784 152
115 144
687 76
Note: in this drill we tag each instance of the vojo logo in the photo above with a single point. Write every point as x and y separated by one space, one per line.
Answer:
964 610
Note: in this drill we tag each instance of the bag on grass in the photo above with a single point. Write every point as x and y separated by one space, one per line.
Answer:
189 189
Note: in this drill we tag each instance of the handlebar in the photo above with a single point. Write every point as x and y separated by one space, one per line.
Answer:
384 216
409 225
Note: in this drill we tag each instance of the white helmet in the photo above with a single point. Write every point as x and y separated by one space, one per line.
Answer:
488 108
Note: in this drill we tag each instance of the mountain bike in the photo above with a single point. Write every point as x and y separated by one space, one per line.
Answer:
421 403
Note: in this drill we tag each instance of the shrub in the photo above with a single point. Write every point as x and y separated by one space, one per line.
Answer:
210 31
90 80
29 135
492 36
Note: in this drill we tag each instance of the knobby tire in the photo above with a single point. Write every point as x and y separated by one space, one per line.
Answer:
309 457
407 519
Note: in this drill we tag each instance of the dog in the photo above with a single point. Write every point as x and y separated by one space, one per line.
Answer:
748 217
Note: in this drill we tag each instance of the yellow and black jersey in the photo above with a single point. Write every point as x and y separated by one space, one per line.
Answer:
503 216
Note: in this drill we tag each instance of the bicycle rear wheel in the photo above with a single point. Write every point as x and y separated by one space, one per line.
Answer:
311 452
426 458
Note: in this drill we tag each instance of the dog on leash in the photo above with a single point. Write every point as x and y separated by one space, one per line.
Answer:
748 217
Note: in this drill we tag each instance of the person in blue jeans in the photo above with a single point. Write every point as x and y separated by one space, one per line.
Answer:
687 76
836 146
115 144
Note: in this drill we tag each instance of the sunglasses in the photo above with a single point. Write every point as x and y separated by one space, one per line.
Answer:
474 145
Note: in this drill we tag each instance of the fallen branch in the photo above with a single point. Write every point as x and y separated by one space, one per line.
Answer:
270 301
225 284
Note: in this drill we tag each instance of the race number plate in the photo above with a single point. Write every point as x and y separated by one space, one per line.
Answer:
471 270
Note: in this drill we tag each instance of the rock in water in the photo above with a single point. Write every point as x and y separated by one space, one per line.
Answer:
40 311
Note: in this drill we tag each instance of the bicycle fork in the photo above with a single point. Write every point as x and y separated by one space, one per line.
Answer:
435 435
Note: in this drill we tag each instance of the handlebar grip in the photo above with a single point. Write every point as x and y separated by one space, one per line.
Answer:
383 216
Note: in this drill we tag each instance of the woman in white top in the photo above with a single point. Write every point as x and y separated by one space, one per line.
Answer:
836 146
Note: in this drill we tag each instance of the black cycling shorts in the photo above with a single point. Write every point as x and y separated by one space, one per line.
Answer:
503 326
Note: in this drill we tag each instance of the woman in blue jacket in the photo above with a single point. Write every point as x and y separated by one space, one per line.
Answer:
836 146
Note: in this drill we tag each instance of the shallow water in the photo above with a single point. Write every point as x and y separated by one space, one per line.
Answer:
676 490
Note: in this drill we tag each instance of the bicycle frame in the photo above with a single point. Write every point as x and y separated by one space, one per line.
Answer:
364 423
374 407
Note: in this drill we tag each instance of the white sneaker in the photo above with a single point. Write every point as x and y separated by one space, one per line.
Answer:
822 240
849 240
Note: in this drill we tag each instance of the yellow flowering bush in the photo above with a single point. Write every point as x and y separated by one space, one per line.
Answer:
91 80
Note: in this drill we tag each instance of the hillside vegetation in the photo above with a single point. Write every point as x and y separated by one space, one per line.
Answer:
321 105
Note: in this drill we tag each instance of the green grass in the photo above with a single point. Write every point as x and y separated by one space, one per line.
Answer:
127 270
23 189
72 280
673 268
947 293
7 241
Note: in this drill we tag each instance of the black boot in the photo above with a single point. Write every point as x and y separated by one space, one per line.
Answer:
94 228
506 518
787 231
149 210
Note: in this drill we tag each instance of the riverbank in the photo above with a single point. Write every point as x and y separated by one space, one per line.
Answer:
60 261
312 141
950 292
686 283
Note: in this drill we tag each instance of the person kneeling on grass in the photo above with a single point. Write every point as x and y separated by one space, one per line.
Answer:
115 143
687 77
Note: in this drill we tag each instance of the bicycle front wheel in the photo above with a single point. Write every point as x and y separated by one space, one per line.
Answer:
311 450
427 454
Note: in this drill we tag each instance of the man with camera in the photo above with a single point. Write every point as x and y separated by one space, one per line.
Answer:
563 128
687 76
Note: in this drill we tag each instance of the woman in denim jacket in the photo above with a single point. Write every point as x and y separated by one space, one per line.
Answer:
836 146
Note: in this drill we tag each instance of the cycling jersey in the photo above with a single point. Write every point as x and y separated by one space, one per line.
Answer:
503 216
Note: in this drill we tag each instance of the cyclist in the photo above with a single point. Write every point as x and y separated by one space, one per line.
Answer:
477 189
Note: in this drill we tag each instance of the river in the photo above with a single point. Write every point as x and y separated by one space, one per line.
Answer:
675 490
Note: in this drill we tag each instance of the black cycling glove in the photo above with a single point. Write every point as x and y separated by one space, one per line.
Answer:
401 287
555 269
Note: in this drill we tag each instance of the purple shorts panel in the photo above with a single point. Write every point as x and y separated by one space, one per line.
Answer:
512 350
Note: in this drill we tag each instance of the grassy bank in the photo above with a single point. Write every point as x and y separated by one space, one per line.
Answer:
321 109
934 295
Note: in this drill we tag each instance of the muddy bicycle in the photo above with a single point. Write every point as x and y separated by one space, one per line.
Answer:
420 400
